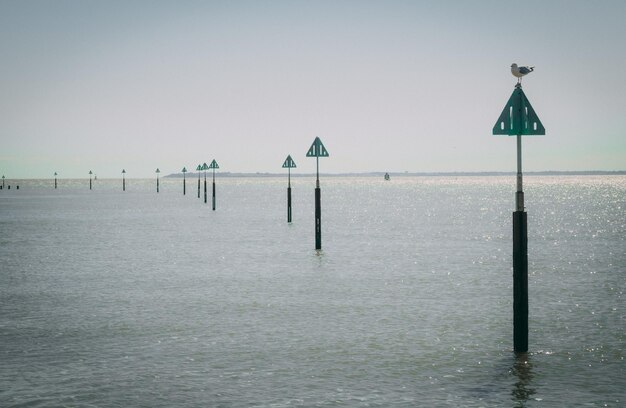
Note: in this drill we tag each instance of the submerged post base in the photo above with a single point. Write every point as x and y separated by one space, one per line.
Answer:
318 219
213 196
288 204
520 282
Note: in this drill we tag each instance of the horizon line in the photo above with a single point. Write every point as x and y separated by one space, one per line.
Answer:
377 174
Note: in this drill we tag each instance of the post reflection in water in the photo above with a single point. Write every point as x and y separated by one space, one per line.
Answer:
522 370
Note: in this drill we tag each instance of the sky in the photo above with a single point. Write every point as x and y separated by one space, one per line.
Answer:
389 85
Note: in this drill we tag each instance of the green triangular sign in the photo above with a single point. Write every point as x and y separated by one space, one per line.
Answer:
214 165
289 163
204 167
199 167
518 117
317 149
184 170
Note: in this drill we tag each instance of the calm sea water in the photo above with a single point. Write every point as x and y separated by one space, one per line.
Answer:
119 299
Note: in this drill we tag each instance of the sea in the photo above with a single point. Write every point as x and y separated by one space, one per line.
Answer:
112 298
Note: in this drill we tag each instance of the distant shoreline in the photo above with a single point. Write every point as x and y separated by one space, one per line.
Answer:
380 174
419 174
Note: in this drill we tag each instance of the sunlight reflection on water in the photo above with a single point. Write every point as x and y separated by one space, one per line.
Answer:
112 298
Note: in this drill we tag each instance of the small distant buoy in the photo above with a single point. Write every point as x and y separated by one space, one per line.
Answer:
17 187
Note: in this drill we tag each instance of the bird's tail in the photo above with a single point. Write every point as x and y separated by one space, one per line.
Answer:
531 69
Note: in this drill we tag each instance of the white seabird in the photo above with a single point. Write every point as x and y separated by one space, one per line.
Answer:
519 72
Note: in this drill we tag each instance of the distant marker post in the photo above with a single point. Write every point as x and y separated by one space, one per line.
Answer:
157 174
205 167
123 180
317 150
289 164
214 166
55 180
3 181
90 173
198 169
184 170
519 119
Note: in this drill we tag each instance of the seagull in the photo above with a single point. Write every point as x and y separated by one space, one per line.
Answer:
519 72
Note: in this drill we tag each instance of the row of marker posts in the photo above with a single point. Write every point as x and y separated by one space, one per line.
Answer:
316 150
17 187
200 167
203 167
518 118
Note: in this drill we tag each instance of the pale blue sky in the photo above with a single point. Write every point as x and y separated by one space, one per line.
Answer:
387 85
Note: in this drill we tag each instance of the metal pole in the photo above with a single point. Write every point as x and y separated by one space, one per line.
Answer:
318 208
123 182
198 183
90 182
317 172
184 186
157 182
519 196
205 186
55 182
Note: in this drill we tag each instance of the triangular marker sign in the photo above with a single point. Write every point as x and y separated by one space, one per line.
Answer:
518 117
317 149
214 165
289 163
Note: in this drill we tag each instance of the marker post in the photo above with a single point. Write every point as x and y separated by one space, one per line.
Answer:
198 169
317 150
205 167
289 164
184 170
214 166
519 119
